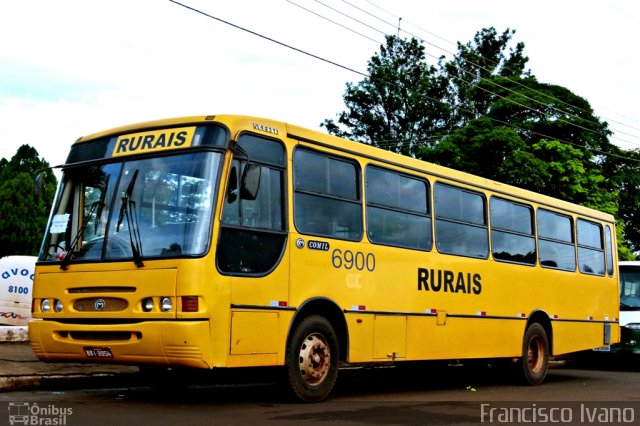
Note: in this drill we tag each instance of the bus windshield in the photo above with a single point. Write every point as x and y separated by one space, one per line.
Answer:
629 288
142 208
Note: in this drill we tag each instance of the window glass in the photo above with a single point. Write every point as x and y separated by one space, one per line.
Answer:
460 205
512 238
555 235
327 196
629 288
140 208
609 249
559 256
265 211
322 174
397 210
589 234
509 216
554 226
460 222
590 248
386 188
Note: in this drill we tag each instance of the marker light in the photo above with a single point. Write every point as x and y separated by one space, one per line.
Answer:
165 304
45 305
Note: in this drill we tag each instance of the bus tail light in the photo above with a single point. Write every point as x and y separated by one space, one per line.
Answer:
190 304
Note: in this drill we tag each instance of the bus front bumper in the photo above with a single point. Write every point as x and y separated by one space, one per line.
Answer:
171 343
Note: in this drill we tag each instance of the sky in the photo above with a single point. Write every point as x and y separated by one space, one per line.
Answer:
74 67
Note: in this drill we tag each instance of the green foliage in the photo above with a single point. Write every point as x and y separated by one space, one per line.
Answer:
398 106
483 112
23 218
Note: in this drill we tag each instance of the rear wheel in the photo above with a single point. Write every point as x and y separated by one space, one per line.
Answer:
312 359
535 355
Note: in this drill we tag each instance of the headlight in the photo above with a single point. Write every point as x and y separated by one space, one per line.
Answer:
57 305
147 304
633 326
165 304
45 305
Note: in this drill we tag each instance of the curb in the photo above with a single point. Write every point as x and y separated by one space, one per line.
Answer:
69 381
12 333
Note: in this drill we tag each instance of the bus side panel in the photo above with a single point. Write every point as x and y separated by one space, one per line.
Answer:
575 336
360 328
457 338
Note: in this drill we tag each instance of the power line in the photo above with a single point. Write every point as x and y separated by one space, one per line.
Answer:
536 101
554 108
268 38
370 77
513 81
332 21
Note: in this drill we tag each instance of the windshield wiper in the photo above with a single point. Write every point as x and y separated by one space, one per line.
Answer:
128 211
95 206
101 204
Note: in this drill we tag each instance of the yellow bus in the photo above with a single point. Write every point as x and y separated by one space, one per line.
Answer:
231 241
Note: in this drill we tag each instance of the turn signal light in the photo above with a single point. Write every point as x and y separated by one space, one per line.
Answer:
190 304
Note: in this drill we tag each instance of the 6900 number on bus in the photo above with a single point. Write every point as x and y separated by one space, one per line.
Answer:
349 260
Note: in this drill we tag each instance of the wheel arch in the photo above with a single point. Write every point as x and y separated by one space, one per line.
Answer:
542 318
328 309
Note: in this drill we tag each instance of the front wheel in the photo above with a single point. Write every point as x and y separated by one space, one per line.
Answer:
535 355
312 359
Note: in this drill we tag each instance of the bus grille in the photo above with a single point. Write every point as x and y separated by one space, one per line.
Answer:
100 304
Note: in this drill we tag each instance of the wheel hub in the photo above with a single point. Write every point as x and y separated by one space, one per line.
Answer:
315 359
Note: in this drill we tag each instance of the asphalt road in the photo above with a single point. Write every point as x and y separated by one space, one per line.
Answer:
454 395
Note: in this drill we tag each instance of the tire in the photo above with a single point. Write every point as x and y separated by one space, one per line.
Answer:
312 359
535 355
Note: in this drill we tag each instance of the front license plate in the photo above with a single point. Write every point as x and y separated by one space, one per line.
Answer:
98 352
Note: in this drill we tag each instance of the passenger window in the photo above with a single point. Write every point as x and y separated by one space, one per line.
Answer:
555 241
397 210
590 248
461 226
327 196
512 237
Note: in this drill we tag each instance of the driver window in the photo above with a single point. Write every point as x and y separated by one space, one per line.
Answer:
253 219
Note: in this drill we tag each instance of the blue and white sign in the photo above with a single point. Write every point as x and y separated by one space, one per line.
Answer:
16 285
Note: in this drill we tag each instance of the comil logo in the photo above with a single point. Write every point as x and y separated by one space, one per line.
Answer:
25 413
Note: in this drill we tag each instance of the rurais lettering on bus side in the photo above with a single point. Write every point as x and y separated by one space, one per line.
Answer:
449 281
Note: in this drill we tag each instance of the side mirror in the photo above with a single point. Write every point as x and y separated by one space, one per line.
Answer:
37 188
250 182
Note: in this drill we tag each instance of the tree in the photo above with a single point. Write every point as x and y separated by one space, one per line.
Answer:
398 106
625 173
23 218
483 112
